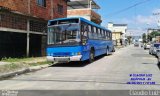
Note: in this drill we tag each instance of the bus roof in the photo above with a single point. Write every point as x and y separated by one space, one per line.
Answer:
82 19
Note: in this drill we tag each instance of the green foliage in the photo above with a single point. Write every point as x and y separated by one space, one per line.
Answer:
11 67
144 37
154 34
16 59
13 64
16 66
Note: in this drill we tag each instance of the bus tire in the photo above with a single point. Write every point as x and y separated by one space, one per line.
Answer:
113 49
107 52
91 56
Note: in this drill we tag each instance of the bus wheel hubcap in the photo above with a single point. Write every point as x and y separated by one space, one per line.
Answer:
92 56
107 52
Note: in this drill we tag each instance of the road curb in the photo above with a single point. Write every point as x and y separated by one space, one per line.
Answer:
22 71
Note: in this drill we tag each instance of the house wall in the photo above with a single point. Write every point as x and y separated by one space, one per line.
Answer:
116 36
31 8
13 24
85 13
119 32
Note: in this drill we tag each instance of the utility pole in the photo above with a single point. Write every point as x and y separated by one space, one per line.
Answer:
28 38
28 29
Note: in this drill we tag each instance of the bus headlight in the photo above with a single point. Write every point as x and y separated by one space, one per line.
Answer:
79 53
50 54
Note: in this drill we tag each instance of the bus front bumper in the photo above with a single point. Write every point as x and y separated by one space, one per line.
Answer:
64 59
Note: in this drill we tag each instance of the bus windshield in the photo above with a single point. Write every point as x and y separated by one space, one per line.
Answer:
67 34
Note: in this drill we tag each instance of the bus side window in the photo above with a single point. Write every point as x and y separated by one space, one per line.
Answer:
110 35
103 34
95 33
99 34
92 32
84 30
107 35
89 31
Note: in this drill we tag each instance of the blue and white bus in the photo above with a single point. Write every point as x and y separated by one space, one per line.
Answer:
77 39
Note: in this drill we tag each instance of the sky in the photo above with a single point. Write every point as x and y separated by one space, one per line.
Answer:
139 17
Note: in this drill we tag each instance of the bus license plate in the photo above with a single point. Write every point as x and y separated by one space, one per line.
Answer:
62 59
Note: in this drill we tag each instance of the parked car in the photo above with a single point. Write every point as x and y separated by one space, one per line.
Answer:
158 53
142 45
136 44
147 46
154 48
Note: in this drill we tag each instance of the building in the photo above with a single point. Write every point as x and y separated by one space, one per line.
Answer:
150 30
84 8
23 25
118 33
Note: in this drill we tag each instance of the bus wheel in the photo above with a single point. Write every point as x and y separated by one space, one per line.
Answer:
113 50
91 57
107 52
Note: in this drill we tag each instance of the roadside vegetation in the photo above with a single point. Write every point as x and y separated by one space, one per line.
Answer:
13 64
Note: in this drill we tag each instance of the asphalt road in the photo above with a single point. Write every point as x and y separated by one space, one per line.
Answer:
106 73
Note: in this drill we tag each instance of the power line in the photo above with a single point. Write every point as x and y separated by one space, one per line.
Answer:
130 7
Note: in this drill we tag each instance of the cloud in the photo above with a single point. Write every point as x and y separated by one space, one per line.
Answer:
156 10
140 23
140 19
135 32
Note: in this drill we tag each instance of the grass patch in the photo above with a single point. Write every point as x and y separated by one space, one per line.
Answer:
16 66
20 63
39 63
11 67
16 59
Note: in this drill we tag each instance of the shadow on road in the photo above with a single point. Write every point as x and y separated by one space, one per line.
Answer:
149 63
77 64
71 64
158 65
141 55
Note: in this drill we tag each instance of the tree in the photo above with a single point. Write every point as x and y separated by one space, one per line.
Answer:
149 38
144 37
129 39
154 34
